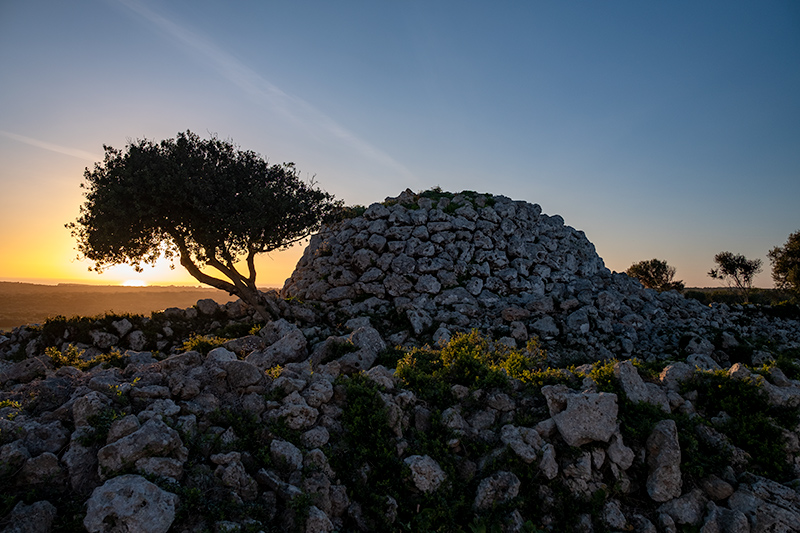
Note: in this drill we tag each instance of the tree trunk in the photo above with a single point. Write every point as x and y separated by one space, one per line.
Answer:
248 295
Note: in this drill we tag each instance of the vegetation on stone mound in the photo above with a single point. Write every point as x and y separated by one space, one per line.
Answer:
380 479
736 407
471 360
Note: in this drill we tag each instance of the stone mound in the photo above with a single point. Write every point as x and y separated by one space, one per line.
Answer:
434 263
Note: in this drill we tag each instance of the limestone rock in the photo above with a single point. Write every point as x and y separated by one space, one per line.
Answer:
231 473
153 439
130 503
81 464
12 456
425 472
620 454
50 437
613 516
207 306
317 521
286 453
688 509
37 517
636 389
26 370
44 468
498 488
296 412
87 406
512 437
581 417
664 462
548 464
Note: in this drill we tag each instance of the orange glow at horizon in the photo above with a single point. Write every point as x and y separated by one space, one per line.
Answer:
53 262
134 283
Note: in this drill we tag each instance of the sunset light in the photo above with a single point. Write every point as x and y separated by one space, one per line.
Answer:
400 265
651 144
134 283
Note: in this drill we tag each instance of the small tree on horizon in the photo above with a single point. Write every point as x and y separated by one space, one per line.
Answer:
655 274
786 264
737 271
202 201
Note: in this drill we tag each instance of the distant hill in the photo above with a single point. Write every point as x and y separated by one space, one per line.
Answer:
27 303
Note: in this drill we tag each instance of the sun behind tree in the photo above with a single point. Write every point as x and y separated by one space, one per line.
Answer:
202 201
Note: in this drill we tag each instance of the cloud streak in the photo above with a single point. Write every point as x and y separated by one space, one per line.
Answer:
74 152
295 109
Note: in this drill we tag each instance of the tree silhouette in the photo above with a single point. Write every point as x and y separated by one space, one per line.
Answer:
202 201
786 264
655 274
736 270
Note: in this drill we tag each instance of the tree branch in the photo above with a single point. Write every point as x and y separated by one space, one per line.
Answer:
199 275
251 266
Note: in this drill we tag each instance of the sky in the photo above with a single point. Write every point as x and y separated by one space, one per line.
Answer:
665 130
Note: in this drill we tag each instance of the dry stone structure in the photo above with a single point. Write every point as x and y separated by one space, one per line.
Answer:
258 434
427 266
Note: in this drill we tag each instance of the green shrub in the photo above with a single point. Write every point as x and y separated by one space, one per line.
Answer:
390 357
602 374
471 360
72 356
367 440
100 424
350 211
787 361
752 425
236 330
251 434
419 371
69 357
203 343
468 359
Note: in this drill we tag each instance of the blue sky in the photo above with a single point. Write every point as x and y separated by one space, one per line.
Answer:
667 130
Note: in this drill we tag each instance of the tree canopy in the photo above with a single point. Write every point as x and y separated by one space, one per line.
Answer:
736 270
655 274
203 201
786 263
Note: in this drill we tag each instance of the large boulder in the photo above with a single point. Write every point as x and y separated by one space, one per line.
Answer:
582 417
153 439
37 517
664 462
496 489
425 472
130 503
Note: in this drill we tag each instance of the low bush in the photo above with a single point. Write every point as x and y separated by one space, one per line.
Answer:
473 361
752 424
72 356
203 343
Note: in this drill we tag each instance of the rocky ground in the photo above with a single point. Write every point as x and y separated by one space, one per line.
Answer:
440 363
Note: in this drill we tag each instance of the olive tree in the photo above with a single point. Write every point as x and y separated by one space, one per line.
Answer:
205 202
786 263
655 274
737 271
